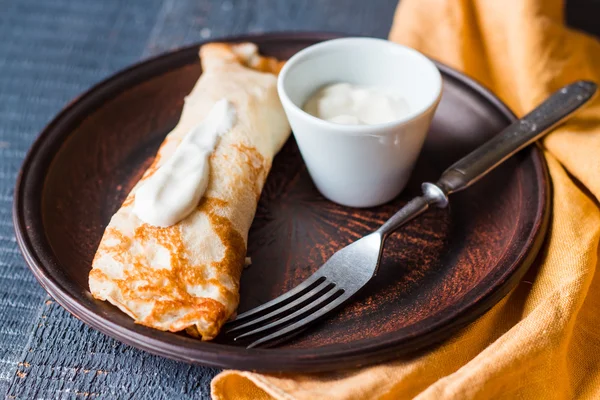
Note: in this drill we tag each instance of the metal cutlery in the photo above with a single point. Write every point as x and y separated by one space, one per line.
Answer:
349 269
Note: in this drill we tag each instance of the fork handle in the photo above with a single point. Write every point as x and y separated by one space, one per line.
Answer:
485 158
516 136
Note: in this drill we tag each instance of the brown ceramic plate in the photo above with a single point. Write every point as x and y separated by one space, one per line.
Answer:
437 274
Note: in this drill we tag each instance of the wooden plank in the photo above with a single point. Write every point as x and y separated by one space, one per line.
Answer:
67 359
186 22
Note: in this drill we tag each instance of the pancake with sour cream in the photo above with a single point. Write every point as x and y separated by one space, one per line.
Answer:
172 255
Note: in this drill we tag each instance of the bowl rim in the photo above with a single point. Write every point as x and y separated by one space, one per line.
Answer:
381 129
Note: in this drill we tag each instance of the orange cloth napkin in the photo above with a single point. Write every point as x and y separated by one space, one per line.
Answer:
542 341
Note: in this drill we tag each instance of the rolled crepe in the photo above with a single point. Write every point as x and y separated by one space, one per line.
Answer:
186 276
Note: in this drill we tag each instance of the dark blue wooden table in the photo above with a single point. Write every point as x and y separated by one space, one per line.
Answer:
50 51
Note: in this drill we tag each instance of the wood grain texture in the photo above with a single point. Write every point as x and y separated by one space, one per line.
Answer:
66 359
187 22
50 52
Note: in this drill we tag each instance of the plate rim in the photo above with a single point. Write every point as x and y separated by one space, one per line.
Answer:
323 358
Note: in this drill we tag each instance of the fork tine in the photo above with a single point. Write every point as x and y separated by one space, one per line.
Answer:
297 326
281 300
308 297
331 292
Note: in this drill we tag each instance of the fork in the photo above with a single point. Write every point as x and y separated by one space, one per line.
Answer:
350 268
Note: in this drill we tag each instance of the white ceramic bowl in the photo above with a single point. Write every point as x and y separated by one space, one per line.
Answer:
360 165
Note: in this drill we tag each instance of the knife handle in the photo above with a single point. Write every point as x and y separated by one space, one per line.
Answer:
515 137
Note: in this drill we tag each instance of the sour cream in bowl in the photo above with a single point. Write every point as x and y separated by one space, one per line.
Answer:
345 103
360 109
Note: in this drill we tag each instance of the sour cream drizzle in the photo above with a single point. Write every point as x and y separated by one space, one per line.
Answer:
176 188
